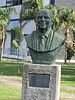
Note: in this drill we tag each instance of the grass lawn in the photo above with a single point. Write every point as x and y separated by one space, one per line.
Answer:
68 78
68 74
7 93
11 68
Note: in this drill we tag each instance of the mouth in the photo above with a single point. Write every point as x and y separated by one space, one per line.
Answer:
42 23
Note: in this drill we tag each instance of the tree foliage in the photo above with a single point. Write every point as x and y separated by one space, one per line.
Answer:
62 16
4 16
18 36
67 18
4 19
30 8
55 17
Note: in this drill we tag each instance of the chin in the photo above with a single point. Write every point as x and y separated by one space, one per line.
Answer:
43 27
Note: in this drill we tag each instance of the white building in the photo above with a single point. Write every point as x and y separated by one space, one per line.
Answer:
9 50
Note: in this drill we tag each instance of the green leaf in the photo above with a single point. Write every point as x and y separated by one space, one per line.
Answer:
15 44
30 8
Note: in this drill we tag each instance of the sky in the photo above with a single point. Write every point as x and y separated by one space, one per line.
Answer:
47 1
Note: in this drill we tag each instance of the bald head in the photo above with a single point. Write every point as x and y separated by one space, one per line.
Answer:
44 17
45 12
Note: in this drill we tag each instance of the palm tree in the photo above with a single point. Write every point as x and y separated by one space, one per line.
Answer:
4 19
64 18
30 8
67 18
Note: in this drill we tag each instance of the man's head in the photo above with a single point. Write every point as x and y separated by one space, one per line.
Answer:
44 19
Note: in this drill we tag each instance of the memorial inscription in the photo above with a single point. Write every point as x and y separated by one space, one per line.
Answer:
39 80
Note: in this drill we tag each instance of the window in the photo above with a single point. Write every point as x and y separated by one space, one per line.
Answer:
17 2
13 2
13 24
52 2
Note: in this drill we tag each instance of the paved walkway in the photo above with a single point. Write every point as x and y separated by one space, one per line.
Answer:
11 81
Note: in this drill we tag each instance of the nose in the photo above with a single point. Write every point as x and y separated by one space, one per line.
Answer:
42 18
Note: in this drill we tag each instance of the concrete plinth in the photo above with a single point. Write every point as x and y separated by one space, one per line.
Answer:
41 82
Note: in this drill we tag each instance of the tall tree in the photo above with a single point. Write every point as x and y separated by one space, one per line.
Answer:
67 18
64 18
4 19
30 8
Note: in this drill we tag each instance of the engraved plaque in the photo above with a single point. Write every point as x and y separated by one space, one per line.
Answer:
39 80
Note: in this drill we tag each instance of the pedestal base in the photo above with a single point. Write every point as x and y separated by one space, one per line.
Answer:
41 82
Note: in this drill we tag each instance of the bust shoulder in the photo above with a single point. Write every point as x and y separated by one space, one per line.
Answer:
30 39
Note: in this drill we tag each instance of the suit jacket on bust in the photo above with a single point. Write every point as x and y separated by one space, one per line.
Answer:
44 48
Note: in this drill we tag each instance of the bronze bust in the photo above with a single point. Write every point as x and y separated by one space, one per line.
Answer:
44 44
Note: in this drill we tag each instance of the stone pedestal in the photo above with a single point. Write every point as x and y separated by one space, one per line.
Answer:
41 82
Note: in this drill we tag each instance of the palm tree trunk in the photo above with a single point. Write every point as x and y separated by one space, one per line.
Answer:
0 53
65 60
1 47
67 31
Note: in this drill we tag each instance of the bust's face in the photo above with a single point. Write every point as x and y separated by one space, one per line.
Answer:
44 19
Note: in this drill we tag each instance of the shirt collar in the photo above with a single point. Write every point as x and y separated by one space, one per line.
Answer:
45 35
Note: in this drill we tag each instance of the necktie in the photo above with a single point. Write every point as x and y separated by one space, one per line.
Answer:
42 43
